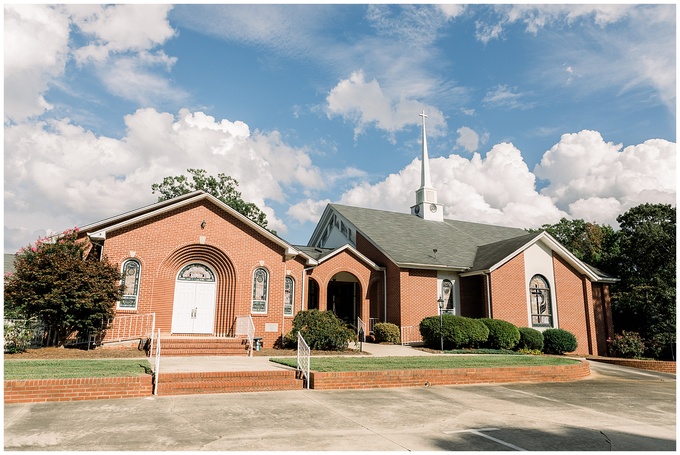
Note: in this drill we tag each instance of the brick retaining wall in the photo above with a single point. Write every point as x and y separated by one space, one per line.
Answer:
654 365
420 378
76 389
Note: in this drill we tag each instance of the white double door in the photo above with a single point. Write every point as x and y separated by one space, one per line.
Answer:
194 308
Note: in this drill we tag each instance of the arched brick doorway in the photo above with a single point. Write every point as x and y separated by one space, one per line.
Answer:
225 293
343 297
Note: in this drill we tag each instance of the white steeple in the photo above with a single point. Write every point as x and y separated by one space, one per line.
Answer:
426 206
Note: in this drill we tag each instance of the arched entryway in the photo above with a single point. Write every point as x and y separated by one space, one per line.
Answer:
344 297
194 302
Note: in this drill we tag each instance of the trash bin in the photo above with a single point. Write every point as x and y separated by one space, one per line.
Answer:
258 343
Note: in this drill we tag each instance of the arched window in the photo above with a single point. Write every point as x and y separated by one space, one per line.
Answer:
260 291
447 295
288 296
541 307
130 281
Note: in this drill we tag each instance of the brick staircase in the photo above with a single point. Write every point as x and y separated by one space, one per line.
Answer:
200 346
228 382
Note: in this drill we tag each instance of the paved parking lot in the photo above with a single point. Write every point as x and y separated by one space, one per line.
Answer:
616 408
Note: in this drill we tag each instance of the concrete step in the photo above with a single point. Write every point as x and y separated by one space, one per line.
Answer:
202 346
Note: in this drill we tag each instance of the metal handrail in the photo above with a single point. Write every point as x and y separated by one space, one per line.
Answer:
246 326
157 365
303 357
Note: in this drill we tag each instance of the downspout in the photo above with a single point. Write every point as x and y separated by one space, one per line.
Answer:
385 294
488 294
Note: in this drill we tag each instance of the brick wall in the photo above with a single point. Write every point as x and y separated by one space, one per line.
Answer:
419 295
653 365
508 292
425 378
574 304
232 249
43 390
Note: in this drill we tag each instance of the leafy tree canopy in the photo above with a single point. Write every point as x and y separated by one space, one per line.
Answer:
54 283
223 187
594 244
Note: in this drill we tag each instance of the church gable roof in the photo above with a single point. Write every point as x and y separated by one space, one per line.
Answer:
410 241
100 229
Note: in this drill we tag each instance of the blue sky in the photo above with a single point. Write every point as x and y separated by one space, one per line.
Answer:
534 112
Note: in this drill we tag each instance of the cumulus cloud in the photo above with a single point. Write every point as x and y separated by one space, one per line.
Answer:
599 179
467 138
365 103
308 210
587 178
36 51
55 168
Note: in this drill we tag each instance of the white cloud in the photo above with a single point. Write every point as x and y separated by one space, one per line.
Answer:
582 169
121 28
467 138
308 210
36 51
58 175
588 179
365 103
507 97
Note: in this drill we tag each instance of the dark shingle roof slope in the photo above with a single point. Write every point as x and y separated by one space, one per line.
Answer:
408 239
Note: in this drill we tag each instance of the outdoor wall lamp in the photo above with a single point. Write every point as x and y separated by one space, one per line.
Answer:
203 224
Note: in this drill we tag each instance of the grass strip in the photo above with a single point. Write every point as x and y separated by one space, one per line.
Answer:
60 369
435 362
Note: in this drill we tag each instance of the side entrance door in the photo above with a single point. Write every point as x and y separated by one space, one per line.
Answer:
194 303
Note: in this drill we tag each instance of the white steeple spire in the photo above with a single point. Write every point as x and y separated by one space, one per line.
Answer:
425 168
426 196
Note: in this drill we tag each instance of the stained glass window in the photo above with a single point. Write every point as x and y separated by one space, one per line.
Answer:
130 282
196 272
288 296
541 308
260 285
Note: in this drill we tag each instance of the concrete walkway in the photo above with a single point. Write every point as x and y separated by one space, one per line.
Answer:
262 363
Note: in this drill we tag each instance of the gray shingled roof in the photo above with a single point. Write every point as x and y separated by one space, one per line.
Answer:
408 239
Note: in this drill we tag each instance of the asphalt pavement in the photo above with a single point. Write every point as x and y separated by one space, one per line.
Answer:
616 408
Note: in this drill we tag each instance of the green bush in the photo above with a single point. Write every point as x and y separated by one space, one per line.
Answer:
502 334
322 331
627 345
558 341
386 332
458 332
530 339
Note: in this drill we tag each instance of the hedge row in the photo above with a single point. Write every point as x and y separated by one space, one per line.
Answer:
459 332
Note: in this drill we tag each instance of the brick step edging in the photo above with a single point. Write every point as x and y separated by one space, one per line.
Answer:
662 366
420 378
76 389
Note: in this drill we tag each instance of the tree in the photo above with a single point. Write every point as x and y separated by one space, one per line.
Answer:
593 244
54 283
223 188
644 300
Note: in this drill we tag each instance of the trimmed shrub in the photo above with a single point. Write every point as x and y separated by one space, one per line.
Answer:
457 331
502 334
386 332
627 345
558 341
322 330
529 339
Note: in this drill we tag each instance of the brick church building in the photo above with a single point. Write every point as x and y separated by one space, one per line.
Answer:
199 266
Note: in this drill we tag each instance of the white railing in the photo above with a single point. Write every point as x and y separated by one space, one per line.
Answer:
124 328
303 358
157 364
407 334
371 323
361 329
246 327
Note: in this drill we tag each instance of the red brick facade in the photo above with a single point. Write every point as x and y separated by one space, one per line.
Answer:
361 282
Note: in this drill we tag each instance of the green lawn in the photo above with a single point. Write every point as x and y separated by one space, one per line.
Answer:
424 363
59 369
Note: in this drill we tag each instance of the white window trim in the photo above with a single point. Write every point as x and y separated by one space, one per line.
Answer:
266 296
139 282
